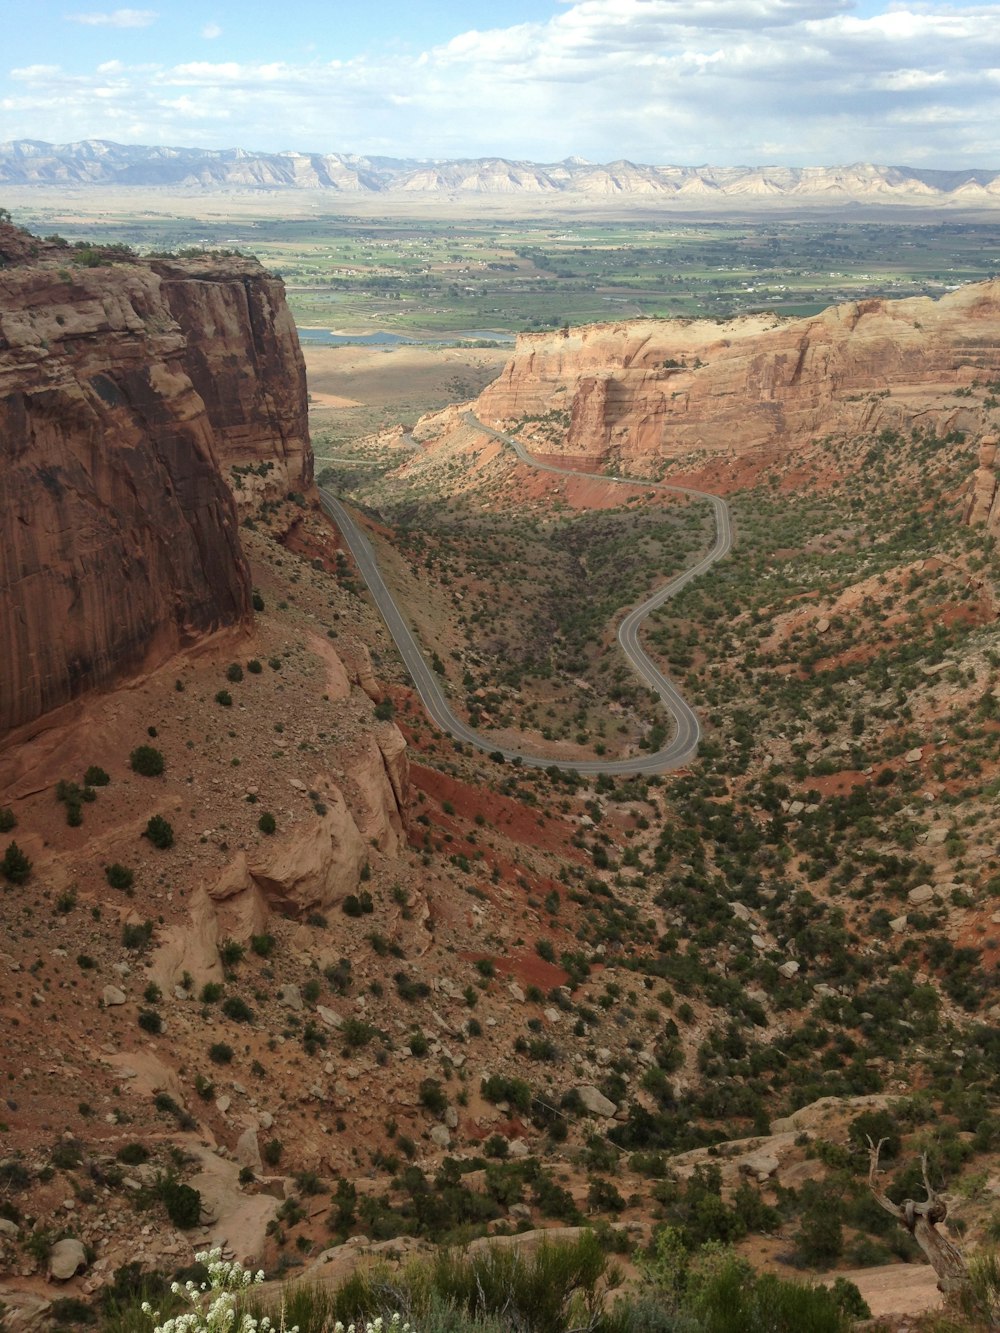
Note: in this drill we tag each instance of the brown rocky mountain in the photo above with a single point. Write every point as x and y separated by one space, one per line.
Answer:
647 393
100 162
125 391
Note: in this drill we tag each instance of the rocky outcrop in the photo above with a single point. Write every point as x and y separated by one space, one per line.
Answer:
983 502
310 869
126 390
652 390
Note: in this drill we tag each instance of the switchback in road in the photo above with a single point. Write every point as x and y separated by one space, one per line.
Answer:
687 730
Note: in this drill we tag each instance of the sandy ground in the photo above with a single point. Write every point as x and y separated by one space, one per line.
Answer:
355 391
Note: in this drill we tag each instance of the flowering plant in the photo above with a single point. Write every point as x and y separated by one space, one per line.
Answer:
226 1279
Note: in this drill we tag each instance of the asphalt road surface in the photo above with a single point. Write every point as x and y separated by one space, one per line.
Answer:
682 745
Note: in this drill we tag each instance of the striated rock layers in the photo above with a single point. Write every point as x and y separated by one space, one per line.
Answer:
126 391
650 391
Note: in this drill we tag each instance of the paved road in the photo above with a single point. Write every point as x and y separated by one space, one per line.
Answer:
684 742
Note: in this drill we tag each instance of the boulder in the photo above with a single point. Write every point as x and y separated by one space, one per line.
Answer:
113 995
66 1259
595 1101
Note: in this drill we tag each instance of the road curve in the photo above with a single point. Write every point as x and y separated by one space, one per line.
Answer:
684 742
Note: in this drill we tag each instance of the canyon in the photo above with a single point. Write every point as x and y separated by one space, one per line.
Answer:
379 988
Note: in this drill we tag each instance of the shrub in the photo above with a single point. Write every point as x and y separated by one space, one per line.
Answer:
119 876
262 945
254 667
146 761
220 1053
237 1009
419 1045
267 823
358 904
257 601
224 698
271 1151
210 992
8 819
150 1021
182 1202
159 832
433 1096
231 952
132 1154
136 936
15 866
95 776
234 673
499 1088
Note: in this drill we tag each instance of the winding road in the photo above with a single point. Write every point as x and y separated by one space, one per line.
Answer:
684 742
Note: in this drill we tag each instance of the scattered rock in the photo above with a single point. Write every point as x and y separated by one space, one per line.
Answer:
112 995
923 893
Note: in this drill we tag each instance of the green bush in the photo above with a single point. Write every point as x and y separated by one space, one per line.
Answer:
237 1009
136 936
254 667
159 832
119 876
271 1151
8 819
95 776
234 673
150 1021
15 866
147 761
132 1154
220 1053
267 823
224 698
182 1202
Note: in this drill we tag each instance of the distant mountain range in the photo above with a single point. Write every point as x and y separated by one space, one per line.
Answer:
100 162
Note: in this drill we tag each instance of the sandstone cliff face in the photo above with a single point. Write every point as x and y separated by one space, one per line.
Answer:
124 390
653 390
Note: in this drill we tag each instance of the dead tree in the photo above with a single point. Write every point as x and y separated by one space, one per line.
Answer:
921 1221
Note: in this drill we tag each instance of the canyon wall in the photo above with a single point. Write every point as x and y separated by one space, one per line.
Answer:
649 391
127 392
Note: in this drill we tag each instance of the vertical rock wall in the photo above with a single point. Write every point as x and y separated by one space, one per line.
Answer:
125 390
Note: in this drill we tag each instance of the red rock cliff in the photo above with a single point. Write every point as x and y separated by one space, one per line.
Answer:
126 391
654 390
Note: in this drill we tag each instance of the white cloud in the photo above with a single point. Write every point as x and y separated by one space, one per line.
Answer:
116 18
210 31
798 81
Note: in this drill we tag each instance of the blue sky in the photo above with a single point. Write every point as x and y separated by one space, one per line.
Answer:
679 81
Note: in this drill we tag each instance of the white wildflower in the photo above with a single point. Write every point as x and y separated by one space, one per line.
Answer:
226 1279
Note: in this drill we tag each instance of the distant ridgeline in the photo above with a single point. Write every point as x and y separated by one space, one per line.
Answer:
100 162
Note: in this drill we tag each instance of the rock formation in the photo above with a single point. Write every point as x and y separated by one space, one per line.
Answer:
652 390
126 390
983 504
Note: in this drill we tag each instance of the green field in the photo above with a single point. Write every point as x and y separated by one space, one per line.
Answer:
446 273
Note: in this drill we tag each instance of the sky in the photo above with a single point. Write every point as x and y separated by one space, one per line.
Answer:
688 82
